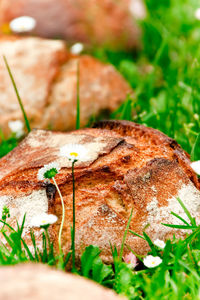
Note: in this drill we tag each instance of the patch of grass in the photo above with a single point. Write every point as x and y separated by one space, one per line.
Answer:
177 276
7 145
165 73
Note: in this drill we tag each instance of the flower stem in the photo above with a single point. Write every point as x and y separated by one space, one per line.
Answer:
74 215
63 217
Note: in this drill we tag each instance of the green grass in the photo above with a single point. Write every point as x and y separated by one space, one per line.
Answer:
177 277
165 73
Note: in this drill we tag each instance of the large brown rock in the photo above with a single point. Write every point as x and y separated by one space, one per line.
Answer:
39 282
128 166
105 22
46 78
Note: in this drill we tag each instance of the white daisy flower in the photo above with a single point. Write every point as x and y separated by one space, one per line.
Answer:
152 261
137 9
159 243
74 152
48 171
195 165
17 127
197 14
77 48
22 24
43 220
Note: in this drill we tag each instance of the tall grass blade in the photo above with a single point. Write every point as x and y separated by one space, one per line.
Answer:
180 226
136 234
125 234
195 149
27 250
180 218
151 244
17 94
78 98
34 244
192 220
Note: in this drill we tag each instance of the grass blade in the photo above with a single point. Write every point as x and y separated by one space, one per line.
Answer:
195 149
78 98
178 217
125 234
17 94
151 244
28 250
34 244
180 226
136 234
7 225
192 220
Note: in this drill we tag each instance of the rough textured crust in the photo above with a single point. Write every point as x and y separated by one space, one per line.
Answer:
46 78
101 89
80 20
140 136
128 166
37 281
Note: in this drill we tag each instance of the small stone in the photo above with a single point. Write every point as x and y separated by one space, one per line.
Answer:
39 282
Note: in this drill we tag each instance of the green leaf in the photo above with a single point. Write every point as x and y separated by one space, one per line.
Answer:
100 271
87 259
92 266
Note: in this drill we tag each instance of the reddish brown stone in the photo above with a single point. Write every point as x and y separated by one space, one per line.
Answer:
128 166
39 282
105 22
46 78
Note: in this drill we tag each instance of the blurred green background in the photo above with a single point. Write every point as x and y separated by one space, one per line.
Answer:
165 72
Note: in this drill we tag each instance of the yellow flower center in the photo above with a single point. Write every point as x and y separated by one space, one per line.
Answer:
74 154
5 28
43 221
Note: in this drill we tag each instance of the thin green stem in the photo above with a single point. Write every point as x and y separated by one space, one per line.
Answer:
18 96
63 217
124 236
74 219
48 238
78 98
